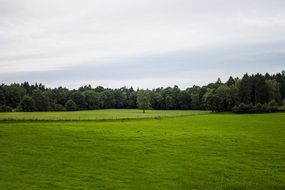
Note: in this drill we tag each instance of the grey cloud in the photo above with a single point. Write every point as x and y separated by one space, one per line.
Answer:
58 40
217 62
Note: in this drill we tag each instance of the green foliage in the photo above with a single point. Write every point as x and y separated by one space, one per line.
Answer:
224 98
79 99
184 100
41 100
59 107
265 108
230 82
283 105
195 97
70 105
213 151
218 96
2 97
5 108
258 108
273 106
243 108
274 89
92 99
13 94
27 104
245 90
143 100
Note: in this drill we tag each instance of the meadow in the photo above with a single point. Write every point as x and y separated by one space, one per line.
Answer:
197 151
96 115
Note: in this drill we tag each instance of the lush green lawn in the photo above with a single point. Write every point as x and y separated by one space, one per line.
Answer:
213 151
108 114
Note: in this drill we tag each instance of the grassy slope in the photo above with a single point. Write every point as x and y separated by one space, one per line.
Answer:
216 151
95 115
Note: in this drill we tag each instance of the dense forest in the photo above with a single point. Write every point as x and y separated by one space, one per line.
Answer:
251 93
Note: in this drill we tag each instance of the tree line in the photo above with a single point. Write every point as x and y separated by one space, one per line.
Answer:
251 93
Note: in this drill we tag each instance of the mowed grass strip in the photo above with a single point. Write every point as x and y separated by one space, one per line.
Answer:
215 151
94 115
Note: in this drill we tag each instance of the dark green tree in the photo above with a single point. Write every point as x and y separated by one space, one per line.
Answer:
92 99
274 89
14 94
230 82
70 105
79 99
2 97
27 104
143 100
245 89
195 97
41 100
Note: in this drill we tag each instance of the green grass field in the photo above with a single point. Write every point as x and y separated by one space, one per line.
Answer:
108 114
198 151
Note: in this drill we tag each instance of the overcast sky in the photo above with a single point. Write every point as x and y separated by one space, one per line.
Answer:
139 43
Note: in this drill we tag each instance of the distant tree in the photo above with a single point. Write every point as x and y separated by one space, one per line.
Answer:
207 99
219 81
255 91
274 89
230 82
195 97
157 100
99 89
280 78
245 89
79 99
41 100
131 101
108 99
14 94
143 100
60 95
2 97
92 99
70 105
184 100
120 98
260 91
27 104
169 102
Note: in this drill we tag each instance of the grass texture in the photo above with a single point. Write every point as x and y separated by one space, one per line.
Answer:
208 151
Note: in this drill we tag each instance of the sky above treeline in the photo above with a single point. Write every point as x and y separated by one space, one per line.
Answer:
139 43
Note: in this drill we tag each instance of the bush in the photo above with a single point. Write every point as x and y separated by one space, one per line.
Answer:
249 108
5 108
70 105
235 109
265 108
273 106
243 108
59 107
257 108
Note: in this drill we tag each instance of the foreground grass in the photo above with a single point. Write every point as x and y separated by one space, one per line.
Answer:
215 151
108 114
